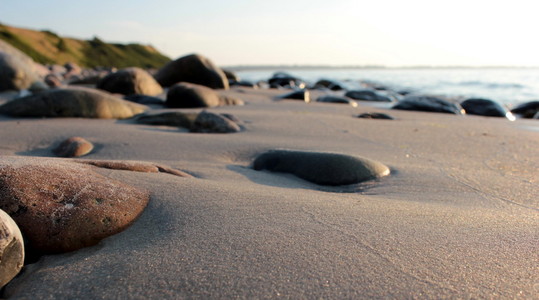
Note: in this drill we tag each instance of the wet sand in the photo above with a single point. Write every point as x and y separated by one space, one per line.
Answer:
457 218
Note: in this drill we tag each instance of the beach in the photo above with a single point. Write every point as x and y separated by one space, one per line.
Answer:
458 216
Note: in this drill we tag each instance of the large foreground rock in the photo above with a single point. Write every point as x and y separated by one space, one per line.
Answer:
72 102
188 95
62 206
130 81
320 167
11 249
193 68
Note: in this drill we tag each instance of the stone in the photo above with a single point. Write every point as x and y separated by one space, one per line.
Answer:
130 81
15 74
135 166
368 95
328 84
320 167
526 110
303 95
145 100
192 68
207 122
72 103
336 99
429 104
231 76
61 205
11 249
175 118
486 107
189 95
285 80
73 147
53 80
375 115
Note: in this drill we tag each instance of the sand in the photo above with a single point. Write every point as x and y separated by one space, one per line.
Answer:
457 218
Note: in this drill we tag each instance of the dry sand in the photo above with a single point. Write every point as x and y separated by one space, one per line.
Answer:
457 218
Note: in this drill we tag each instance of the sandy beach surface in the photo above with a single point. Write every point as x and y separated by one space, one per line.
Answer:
457 218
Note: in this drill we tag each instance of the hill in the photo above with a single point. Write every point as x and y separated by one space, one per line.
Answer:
47 47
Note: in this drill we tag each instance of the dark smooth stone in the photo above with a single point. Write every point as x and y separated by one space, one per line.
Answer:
429 104
336 99
527 110
376 116
297 95
485 107
367 95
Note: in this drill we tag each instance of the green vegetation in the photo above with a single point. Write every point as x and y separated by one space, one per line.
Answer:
16 42
47 47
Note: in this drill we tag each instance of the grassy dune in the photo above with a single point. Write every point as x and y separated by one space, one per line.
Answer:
47 47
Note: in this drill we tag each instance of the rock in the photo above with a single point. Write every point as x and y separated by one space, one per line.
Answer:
62 205
367 95
429 104
11 249
321 168
207 122
297 95
175 118
73 147
130 81
336 99
485 107
188 95
328 84
231 76
285 80
376 116
527 110
145 100
53 80
73 103
15 74
193 68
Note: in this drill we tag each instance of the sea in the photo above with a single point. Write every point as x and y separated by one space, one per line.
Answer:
507 86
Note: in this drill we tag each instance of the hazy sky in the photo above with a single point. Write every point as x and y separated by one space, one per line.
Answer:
337 32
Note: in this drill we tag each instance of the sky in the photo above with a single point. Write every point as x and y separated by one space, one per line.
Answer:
391 33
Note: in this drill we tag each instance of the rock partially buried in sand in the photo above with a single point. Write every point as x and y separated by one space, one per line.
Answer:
336 99
303 95
368 95
62 206
174 118
74 147
207 122
72 103
485 107
375 115
429 104
11 249
321 168
192 68
527 110
188 95
130 81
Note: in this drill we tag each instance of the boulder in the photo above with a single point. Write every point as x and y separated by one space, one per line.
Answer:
73 147
328 84
188 95
72 103
62 205
527 110
320 167
193 68
368 95
336 99
207 122
285 80
485 107
15 74
11 249
429 104
130 81
303 95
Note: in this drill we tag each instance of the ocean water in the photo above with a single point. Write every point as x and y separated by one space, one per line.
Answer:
508 86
